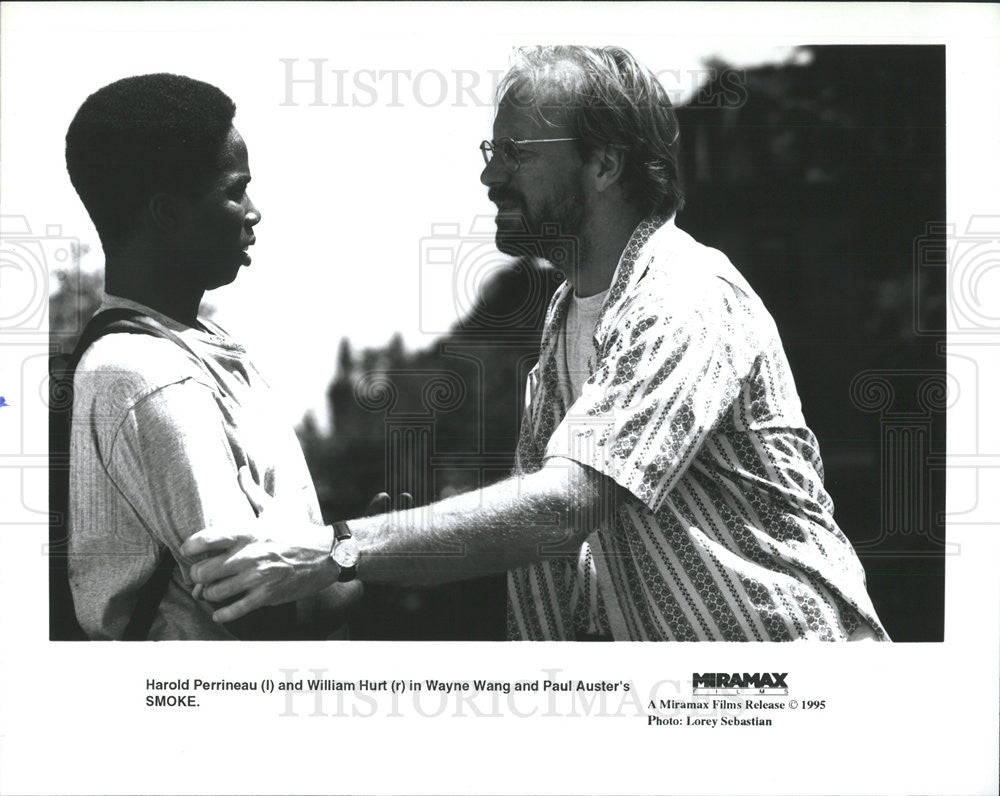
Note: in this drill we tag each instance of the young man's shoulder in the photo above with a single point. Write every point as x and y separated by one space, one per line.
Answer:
119 369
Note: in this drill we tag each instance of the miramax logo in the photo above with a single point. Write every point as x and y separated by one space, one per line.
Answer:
722 683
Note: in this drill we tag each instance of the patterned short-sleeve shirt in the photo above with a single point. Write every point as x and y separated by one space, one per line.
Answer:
722 527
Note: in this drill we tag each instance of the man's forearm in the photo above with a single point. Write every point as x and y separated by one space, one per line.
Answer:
504 526
510 524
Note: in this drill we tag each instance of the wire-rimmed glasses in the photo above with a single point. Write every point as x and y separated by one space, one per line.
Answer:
508 149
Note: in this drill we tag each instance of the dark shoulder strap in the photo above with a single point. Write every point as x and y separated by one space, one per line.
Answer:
100 325
270 622
63 624
122 320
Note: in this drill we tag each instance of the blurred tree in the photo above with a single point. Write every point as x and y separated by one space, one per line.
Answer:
467 390
73 298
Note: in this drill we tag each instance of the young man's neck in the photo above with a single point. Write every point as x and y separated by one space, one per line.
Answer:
158 288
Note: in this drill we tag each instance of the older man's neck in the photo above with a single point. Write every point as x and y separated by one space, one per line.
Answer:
601 248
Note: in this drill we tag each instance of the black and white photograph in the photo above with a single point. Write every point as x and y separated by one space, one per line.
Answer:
420 343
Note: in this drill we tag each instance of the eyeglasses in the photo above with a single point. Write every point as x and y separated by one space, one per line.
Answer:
508 150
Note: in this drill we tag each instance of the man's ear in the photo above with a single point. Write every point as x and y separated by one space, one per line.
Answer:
609 166
164 212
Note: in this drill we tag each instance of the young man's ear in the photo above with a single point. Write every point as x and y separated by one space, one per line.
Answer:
608 165
164 212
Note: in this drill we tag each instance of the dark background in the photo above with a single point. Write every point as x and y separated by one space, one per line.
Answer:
824 182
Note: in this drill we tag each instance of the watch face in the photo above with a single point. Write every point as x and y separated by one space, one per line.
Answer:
346 553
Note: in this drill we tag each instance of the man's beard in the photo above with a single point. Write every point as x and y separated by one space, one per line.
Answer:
553 233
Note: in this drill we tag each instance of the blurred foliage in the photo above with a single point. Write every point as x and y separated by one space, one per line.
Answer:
74 296
448 418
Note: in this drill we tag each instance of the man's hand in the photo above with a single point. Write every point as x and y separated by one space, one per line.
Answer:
277 561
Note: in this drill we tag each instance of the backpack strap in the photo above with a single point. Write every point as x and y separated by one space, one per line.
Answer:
113 321
62 370
269 622
153 590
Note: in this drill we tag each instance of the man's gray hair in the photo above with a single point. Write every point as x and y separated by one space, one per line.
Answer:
606 98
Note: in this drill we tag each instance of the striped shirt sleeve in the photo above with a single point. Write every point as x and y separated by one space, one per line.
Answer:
665 376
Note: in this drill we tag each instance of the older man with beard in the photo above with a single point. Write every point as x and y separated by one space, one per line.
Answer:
667 486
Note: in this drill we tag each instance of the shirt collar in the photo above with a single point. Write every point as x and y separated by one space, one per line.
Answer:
632 264
111 301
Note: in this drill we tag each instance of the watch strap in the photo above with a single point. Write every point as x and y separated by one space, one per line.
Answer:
341 530
341 534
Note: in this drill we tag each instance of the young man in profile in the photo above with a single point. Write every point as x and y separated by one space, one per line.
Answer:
168 407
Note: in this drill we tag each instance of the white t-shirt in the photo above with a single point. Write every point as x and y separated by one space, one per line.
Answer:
577 360
579 355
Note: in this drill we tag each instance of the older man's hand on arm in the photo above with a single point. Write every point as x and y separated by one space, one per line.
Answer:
275 548
507 525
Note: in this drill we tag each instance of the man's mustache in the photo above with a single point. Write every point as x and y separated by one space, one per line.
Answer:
497 197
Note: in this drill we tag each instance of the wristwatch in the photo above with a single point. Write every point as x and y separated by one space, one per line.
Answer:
345 553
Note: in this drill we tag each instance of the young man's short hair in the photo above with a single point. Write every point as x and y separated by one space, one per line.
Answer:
142 135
